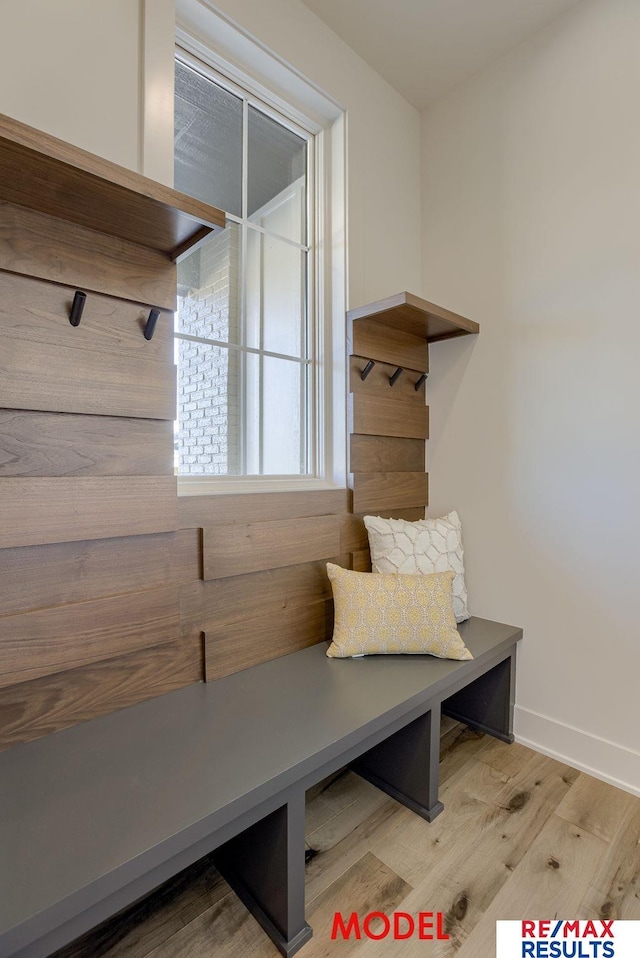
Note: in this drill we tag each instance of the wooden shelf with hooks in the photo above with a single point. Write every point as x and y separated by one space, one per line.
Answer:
388 420
43 173
406 313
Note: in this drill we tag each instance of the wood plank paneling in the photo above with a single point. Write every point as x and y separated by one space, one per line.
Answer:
186 555
37 577
374 416
361 561
54 702
56 379
38 311
54 640
90 559
53 444
35 244
373 491
37 511
238 548
243 644
218 602
386 454
370 340
377 381
98 367
194 511
353 535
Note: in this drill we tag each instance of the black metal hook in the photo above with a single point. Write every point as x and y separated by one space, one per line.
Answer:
395 376
367 369
77 307
420 381
150 325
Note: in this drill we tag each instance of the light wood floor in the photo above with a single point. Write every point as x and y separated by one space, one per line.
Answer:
521 836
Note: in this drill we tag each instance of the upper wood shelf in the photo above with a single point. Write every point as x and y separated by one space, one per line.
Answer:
46 174
411 314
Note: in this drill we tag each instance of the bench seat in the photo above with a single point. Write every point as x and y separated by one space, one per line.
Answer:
94 817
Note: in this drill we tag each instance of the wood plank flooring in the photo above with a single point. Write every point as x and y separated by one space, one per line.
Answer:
521 836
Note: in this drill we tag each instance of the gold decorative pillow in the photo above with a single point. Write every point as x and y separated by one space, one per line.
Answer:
377 613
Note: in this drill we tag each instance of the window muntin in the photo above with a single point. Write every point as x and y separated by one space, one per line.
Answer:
244 324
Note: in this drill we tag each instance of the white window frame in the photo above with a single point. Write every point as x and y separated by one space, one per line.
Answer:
312 393
206 40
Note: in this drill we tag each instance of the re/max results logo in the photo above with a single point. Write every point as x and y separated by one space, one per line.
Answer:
567 938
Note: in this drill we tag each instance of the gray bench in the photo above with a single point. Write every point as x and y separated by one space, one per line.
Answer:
94 817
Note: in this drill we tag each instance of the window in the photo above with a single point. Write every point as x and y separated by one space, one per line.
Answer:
249 394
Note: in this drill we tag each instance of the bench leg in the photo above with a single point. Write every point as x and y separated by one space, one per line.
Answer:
405 765
265 867
486 703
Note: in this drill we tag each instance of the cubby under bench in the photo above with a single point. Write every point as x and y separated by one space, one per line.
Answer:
94 817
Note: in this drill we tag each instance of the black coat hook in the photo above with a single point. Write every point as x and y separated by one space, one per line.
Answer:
77 307
420 381
150 325
395 376
367 369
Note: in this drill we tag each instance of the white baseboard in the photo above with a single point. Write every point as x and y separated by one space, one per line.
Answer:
612 763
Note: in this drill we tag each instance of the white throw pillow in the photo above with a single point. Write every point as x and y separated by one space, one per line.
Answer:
425 546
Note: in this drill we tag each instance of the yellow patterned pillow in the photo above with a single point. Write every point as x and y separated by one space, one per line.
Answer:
394 613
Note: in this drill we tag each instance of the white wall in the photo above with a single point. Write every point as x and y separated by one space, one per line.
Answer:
100 75
71 68
531 213
95 74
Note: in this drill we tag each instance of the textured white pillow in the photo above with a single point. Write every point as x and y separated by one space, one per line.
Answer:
425 546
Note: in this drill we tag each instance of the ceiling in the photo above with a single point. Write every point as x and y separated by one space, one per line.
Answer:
424 48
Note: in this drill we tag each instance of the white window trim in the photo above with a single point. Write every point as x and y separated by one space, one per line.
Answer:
205 34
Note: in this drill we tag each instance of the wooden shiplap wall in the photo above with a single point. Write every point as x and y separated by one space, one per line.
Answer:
263 589
35 244
388 425
89 556
114 589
